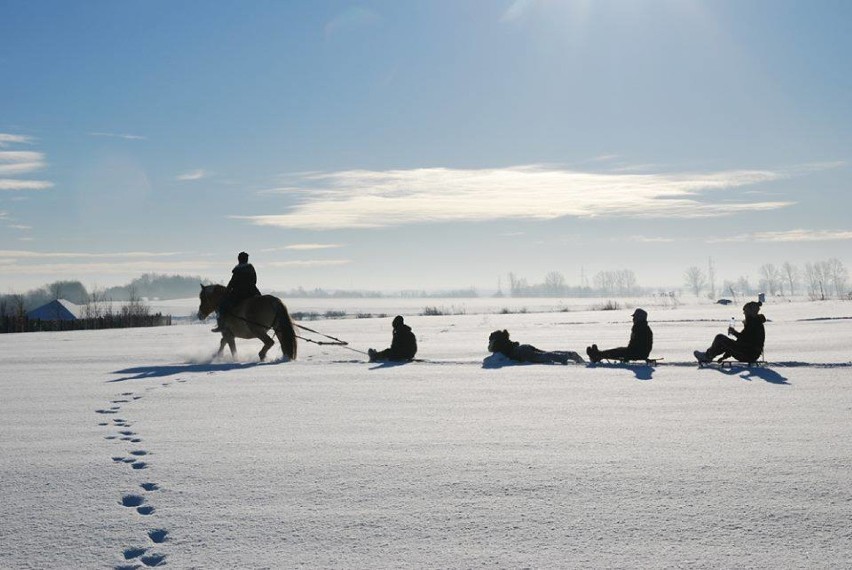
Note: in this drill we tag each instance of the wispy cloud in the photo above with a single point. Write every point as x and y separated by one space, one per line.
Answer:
193 175
313 246
66 263
7 139
788 236
20 227
646 239
309 263
119 136
517 10
350 19
15 163
105 267
25 254
373 199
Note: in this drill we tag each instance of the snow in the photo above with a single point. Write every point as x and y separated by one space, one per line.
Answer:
456 462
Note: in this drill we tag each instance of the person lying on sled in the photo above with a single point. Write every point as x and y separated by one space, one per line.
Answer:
746 346
639 347
499 341
403 346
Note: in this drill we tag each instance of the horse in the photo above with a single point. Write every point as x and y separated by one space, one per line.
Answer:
251 318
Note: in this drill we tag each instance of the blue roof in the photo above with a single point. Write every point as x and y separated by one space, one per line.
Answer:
56 310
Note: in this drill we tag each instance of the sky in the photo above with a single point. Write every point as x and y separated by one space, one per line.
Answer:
391 145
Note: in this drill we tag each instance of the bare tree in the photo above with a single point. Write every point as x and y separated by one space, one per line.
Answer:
135 306
516 285
554 284
770 279
791 274
711 278
695 280
55 290
815 281
837 275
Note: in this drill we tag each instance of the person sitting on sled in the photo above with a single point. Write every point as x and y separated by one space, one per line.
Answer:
499 341
243 284
746 346
403 345
639 347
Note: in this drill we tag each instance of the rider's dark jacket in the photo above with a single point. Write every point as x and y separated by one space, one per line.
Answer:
243 283
404 343
750 341
641 340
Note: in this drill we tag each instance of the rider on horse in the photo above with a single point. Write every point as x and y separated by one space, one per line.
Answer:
243 284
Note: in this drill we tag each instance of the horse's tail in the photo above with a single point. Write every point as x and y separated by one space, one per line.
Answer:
284 330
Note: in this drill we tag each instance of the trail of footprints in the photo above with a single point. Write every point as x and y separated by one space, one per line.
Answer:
135 557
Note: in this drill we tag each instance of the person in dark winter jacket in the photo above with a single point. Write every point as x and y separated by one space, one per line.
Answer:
639 347
499 341
746 346
243 284
403 346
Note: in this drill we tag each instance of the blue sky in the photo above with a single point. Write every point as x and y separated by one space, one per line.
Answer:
394 145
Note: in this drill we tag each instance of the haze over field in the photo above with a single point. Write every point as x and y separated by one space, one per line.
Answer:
385 145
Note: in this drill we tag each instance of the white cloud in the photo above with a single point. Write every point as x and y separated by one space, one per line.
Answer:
373 199
352 19
106 267
6 139
16 162
789 236
645 239
119 136
193 175
24 254
311 246
20 227
517 10
309 263
15 184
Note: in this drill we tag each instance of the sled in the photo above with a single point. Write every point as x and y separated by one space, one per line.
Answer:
732 364
649 361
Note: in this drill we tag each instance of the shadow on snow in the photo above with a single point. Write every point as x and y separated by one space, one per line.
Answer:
145 372
749 372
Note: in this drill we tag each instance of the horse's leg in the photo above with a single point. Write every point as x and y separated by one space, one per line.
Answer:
267 344
222 344
233 346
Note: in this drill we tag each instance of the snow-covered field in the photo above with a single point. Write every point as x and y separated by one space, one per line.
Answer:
457 462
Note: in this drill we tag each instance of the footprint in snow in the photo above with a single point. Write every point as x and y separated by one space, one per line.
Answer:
132 500
154 560
146 510
127 432
131 553
139 465
139 452
150 486
106 411
158 535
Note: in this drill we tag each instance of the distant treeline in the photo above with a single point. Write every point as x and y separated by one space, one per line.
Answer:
150 286
18 324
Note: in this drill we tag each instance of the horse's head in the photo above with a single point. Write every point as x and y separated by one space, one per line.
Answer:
498 340
208 301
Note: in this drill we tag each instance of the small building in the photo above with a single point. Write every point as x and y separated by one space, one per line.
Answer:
56 310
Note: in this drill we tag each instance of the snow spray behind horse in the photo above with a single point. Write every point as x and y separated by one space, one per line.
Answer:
251 318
